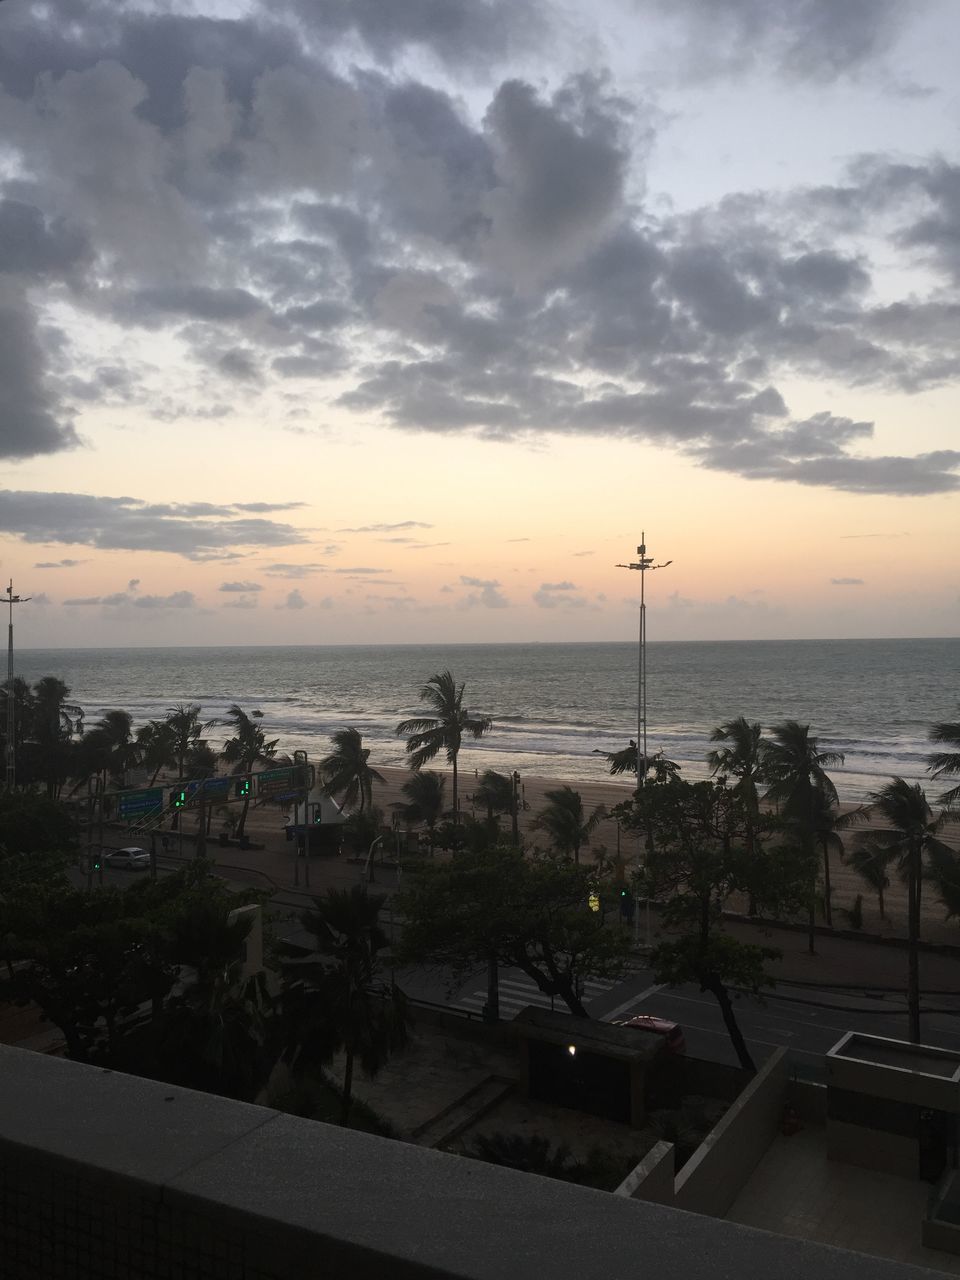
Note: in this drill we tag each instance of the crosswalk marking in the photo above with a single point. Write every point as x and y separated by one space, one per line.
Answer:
516 994
633 1001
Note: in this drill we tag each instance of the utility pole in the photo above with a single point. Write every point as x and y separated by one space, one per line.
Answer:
11 761
645 565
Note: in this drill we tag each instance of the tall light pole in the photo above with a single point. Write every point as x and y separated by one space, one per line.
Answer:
645 565
11 762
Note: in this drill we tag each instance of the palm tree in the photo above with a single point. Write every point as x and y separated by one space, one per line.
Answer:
346 771
912 833
247 747
51 730
793 768
155 740
345 989
185 728
828 823
427 736
741 759
944 764
625 761
564 821
495 792
112 747
870 860
424 800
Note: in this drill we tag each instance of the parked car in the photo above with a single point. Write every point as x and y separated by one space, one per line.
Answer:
672 1032
133 859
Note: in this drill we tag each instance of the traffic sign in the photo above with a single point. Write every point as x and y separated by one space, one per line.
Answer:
139 804
279 784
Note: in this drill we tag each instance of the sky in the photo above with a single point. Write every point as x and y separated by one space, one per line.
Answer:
401 321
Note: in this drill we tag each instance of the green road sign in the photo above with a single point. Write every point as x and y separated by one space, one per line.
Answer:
139 804
278 784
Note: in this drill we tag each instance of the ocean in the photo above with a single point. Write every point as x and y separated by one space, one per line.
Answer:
553 705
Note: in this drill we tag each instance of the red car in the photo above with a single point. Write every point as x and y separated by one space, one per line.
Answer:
672 1032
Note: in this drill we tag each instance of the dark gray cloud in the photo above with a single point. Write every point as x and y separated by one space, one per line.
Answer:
361 570
58 564
30 422
197 531
294 600
846 582
240 586
295 214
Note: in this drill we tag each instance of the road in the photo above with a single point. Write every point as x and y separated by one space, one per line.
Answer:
805 1019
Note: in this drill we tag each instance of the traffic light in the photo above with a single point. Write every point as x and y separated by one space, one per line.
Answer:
179 799
243 787
317 816
96 862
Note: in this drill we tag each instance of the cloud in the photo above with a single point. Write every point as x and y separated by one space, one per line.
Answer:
282 570
59 564
488 594
558 595
176 600
815 40
308 196
30 421
294 600
846 582
242 602
240 586
41 598
361 570
387 528
196 531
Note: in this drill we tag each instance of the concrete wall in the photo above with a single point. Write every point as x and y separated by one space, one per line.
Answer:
711 1179
809 1099
652 1179
104 1176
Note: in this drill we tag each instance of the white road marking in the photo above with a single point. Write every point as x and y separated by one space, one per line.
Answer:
637 999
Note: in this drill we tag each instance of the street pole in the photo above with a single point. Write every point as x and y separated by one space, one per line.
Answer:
645 565
11 752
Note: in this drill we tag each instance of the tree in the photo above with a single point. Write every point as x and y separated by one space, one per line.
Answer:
424 800
871 859
346 772
563 819
109 748
913 832
946 764
444 731
340 999
248 747
494 792
658 767
185 729
794 770
697 858
528 913
155 740
51 728
741 759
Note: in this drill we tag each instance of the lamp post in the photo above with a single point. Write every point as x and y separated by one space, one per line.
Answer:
645 565
11 761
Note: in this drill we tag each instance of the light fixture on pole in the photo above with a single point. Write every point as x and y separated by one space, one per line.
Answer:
644 564
11 761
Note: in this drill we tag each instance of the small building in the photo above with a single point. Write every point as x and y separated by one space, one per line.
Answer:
892 1105
587 1065
320 820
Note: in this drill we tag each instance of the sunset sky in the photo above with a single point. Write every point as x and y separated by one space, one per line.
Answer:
346 321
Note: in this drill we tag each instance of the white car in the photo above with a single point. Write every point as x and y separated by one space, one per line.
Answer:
133 859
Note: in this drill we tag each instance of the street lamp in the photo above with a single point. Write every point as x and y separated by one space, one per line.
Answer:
645 565
11 762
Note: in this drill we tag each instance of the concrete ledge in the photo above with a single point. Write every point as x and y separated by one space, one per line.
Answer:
652 1179
107 1175
711 1179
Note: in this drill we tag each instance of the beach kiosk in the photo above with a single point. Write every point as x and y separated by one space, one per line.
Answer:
322 817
